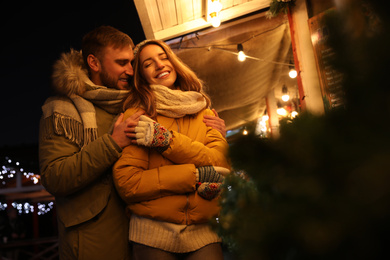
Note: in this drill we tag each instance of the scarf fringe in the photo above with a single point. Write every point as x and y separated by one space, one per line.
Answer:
70 128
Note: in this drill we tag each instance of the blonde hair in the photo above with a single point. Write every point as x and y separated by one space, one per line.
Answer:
142 96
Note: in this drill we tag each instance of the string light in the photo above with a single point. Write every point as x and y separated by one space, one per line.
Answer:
27 208
214 8
9 171
281 111
285 96
292 73
220 46
241 54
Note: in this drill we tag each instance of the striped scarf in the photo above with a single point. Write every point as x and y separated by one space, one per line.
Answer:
75 117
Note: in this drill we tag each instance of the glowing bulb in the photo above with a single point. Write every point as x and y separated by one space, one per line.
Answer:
213 9
245 132
281 111
294 114
215 6
241 56
285 98
293 73
215 22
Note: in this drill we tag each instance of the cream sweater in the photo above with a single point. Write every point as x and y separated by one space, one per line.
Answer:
170 237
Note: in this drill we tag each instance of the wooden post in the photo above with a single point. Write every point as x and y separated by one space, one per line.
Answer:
308 80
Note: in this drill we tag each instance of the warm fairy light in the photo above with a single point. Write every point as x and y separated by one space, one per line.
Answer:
241 54
285 96
214 8
293 73
281 111
215 21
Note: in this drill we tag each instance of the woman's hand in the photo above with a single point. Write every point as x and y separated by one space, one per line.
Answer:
209 180
151 134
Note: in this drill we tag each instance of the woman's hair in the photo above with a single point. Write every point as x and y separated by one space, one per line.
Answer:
142 96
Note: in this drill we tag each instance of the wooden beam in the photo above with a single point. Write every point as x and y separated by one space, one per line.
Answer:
201 23
149 16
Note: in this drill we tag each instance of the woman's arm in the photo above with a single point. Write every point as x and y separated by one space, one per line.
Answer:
135 182
213 151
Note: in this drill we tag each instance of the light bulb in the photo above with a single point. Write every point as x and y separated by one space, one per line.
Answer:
215 21
285 98
215 6
293 73
281 111
294 114
241 56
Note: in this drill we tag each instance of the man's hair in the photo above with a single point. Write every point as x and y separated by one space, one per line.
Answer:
96 40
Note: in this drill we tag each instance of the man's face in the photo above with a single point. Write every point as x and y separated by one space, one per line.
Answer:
116 69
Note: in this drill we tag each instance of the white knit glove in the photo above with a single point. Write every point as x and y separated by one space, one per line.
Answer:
151 134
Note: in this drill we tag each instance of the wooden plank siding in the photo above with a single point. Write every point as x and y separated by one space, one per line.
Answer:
166 19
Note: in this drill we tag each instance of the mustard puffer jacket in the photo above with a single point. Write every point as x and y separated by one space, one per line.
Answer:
163 186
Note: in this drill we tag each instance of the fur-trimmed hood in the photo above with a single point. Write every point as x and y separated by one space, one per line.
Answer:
70 75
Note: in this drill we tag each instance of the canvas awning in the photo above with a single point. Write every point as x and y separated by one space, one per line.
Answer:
239 89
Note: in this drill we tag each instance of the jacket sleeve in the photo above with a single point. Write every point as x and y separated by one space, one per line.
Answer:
135 182
65 168
212 152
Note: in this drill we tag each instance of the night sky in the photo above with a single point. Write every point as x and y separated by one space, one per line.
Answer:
33 35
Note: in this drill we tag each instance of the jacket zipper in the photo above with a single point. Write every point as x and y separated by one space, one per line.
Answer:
186 209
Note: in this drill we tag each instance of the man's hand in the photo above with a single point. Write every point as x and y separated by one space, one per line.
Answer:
216 123
124 132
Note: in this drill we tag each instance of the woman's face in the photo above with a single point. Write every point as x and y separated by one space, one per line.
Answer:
156 67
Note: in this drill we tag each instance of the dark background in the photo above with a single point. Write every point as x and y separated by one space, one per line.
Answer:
33 35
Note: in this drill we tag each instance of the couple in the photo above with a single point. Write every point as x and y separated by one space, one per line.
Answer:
157 157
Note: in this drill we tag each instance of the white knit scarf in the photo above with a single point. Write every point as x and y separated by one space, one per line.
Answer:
177 103
75 118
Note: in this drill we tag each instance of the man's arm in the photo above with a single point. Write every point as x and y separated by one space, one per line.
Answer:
215 122
65 168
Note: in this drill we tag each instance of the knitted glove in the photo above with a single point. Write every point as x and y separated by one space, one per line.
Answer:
150 133
208 174
209 190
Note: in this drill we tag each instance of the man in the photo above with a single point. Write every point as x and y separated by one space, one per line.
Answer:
81 138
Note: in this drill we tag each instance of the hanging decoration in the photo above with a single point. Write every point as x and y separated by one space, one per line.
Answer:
279 6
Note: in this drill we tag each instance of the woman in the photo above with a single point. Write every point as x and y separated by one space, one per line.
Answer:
168 178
